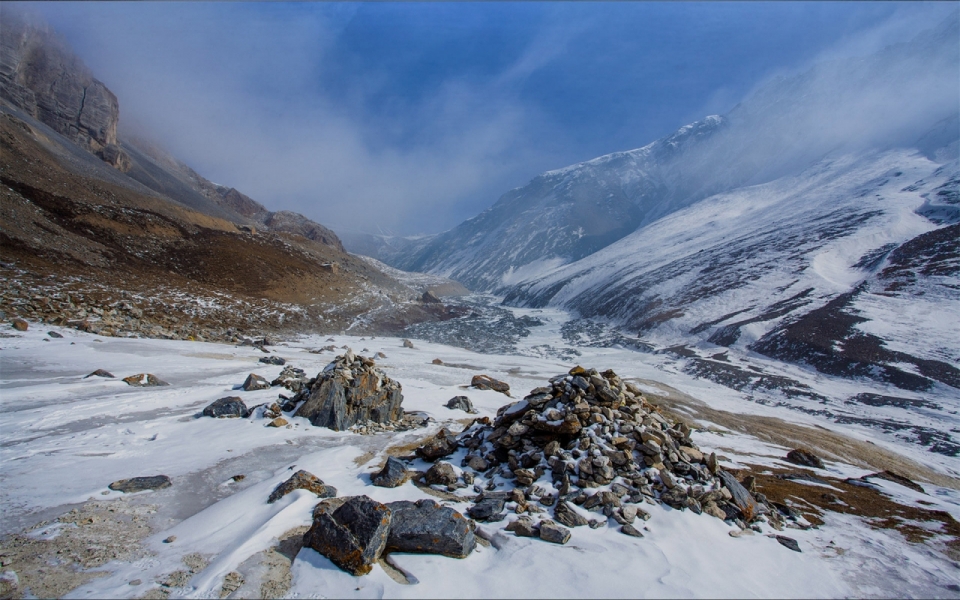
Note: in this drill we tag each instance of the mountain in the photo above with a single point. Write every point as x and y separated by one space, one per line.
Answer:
852 105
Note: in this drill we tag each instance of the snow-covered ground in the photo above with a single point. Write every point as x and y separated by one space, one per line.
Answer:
66 438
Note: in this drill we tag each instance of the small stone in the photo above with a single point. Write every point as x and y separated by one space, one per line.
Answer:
485 382
238 477
488 508
788 542
628 529
302 480
135 582
523 527
805 458
441 473
19 324
139 484
255 382
437 361
231 407
407 344
278 422
437 447
144 380
393 474
461 403
170 539
551 531
568 515
100 373
54 334
273 360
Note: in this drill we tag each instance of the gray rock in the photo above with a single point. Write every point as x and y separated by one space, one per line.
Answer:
353 536
139 484
805 458
567 515
348 391
302 480
54 334
488 508
523 527
273 360
407 344
552 532
461 403
438 446
788 542
393 474
426 527
226 408
100 373
441 473
742 499
255 382
628 529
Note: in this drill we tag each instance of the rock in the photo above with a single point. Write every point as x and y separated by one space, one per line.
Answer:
139 484
805 458
426 527
255 382
407 344
20 324
552 532
302 480
171 539
54 334
438 446
100 373
477 463
144 380
485 382
273 360
292 379
896 478
380 355
429 297
351 390
393 474
488 508
226 408
788 542
628 529
232 582
353 536
436 361
523 527
461 403
278 422
568 515
441 473
741 498
712 464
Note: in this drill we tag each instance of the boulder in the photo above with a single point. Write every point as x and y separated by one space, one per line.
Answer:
523 527
488 507
441 445
353 536
255 382
273 360
741 498
552 532
226 408
441 473
351 390
100 373
144 380
138 484
302 480
461 403
485 382
426 527
628 529
20 324
805 458
393 474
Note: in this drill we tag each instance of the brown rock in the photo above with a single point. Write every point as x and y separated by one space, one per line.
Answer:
278 422
302 480
485 382
20 324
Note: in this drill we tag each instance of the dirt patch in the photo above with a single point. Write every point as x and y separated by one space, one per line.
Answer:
821 441
55 557
267 574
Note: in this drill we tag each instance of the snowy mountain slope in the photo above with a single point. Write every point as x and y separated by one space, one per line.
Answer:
833 270
851 105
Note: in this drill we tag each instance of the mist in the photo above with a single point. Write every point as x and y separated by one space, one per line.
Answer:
410 118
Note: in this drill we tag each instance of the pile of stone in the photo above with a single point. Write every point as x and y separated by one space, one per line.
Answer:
590 443
350 391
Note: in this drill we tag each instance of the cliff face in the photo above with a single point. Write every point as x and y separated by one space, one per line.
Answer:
41 76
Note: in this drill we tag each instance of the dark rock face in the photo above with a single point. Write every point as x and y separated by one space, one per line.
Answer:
273 360
41 76
485 382
100 373
425 526
226 408
138 484
144 380
302 480
461 403
741 497
393 474
489 507
255 382
788 542
440 445
441 473
805 458
353 536
348 391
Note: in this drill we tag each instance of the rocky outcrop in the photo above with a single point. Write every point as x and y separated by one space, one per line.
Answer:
41 76
349 391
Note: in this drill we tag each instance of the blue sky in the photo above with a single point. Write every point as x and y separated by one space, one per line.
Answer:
410 117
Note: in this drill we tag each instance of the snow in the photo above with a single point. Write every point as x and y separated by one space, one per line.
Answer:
82 434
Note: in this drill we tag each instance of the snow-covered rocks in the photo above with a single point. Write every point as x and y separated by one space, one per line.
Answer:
255 382
145 380
351 390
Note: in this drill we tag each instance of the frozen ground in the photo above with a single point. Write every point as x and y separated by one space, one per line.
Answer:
63 439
